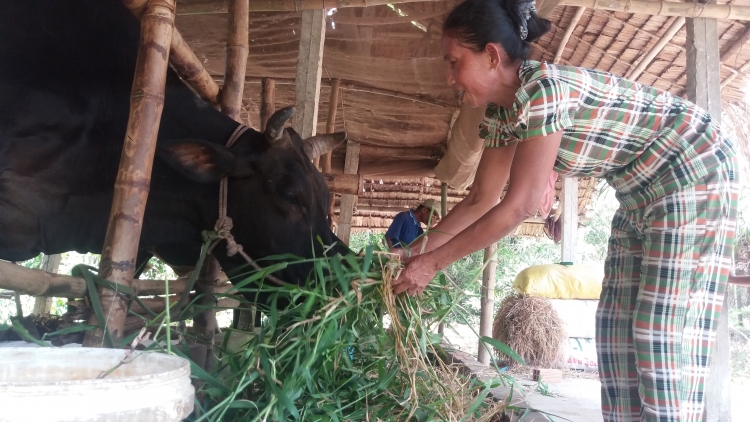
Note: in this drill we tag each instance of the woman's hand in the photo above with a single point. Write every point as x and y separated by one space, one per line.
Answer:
419 271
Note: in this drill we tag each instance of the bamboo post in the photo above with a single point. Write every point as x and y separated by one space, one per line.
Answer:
346 207
267 101
675 27
50 264
703 87
568 33
487 301
309 71
184 61
443 212
204 323
237 51
333 104
133 178
570 219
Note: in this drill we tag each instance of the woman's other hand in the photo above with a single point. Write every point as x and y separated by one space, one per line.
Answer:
419 271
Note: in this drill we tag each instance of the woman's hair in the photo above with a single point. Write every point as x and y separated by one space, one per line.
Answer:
513 24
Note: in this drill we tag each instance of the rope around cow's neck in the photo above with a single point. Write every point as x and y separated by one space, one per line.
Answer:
223 226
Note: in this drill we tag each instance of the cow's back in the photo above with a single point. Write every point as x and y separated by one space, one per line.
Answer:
65 76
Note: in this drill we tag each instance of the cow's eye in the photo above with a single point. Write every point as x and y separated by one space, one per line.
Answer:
290 198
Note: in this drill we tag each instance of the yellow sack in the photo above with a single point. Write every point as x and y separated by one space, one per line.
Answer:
556 281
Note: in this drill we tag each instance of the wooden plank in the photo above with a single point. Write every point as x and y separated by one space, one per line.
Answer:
351 166
133 178
333 104
641 7
309 70
487 315
569 219
351 184
704 89
50 264
267 101
236 63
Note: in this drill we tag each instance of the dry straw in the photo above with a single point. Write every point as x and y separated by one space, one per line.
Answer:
532 328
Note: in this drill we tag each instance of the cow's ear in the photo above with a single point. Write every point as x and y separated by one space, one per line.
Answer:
197 160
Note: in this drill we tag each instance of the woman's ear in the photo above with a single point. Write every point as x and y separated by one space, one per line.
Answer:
496 54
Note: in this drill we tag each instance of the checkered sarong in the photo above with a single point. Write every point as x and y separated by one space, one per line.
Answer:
666 275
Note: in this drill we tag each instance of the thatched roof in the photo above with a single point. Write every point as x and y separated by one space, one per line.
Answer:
394 92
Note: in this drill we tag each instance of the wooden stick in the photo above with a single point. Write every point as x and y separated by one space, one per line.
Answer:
333 105
677 24
267 100
348 184
237 51
133 178
667 8
205 323
183 60
568 33
220 6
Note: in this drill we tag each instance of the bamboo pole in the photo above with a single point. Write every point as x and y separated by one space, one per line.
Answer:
345 184
267 100
568 33
236 64
667 8
487 301
50 264
220 6
333 105
183 60
677 24
443 212
133 178
204 323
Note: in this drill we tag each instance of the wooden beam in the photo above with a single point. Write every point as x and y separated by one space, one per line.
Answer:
703 87
351 166
350 184
487 314
267 101
133 179
667 8
568 33
183 59
220 6
333 104
675 27
403 153
309 71
236 63
353 86
642 7
50 264
569 218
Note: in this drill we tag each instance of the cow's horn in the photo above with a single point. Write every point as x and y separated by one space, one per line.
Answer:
318 145
275 125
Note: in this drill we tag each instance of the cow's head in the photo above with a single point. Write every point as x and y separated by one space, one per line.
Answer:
277 199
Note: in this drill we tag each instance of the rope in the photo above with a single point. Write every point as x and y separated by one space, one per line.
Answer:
223 226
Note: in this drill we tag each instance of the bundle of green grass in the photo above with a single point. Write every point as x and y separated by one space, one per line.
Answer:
331 357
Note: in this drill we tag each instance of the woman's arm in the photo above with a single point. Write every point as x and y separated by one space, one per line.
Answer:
492 175
529 171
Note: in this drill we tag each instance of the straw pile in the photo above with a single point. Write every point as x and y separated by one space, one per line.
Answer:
531 327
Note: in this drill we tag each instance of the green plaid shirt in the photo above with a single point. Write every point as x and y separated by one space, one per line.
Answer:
645 142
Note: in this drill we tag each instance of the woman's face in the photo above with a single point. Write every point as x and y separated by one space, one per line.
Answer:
469 73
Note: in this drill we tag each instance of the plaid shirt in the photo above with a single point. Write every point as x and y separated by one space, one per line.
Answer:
646 143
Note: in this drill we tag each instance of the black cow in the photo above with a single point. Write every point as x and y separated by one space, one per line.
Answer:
66 70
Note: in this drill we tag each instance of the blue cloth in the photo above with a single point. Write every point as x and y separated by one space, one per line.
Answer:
404 229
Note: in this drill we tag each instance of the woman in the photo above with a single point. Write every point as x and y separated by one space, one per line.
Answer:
674 174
